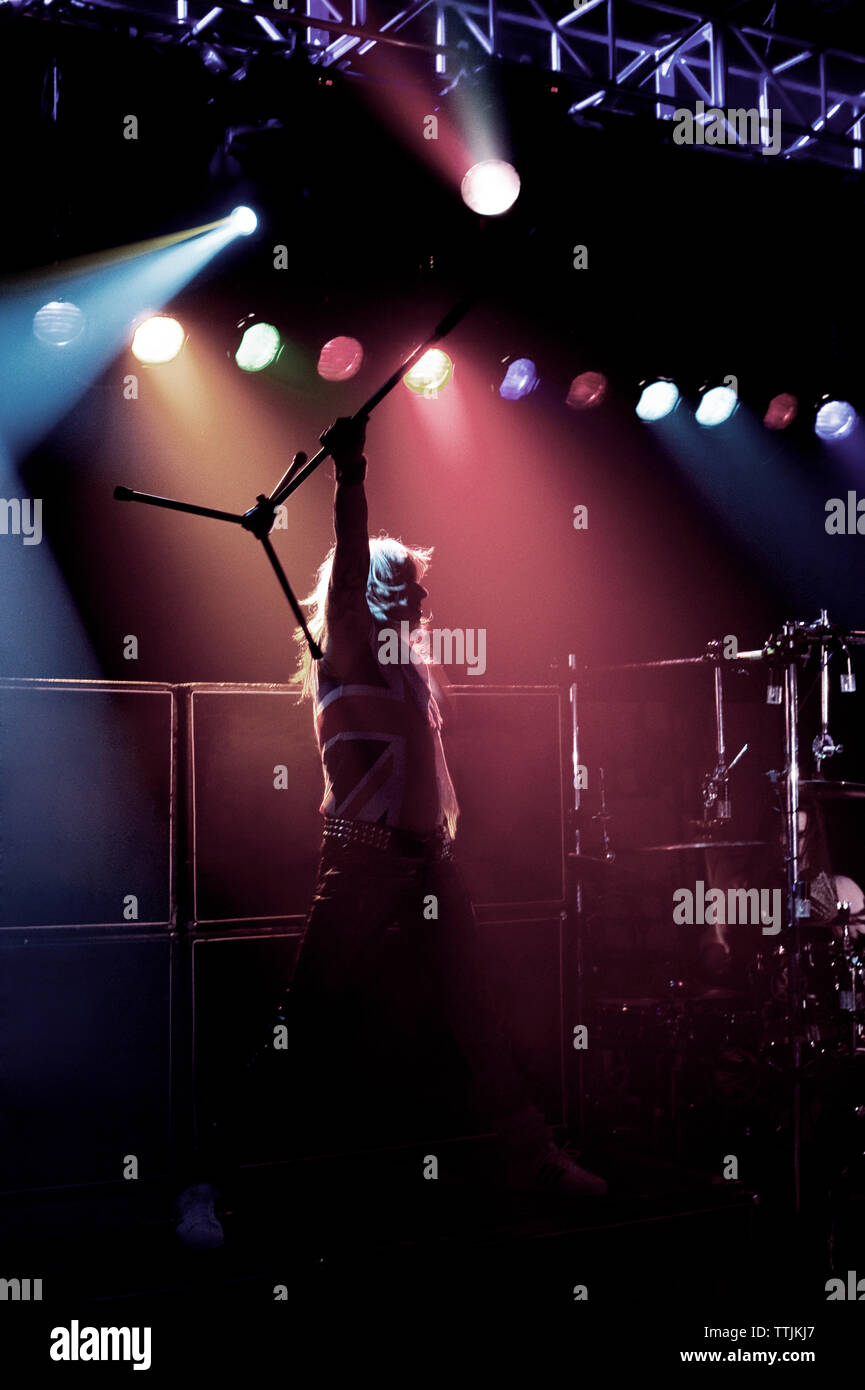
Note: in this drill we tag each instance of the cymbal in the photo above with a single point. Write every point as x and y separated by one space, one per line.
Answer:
817 787
696 844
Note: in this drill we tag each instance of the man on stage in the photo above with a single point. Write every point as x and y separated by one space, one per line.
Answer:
390 815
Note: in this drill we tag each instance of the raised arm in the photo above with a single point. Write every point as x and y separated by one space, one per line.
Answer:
347 616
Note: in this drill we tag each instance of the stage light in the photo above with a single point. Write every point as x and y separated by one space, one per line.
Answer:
657 399
243 221
491 187
58 323
587 390
339 359
781 412
430 374
835 419
716 406
157 339
519 380
259 346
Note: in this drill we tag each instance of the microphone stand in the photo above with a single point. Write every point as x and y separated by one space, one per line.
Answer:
259 519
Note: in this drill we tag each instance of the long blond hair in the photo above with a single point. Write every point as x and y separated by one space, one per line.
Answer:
386 580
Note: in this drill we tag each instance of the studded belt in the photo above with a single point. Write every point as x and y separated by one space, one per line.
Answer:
437 845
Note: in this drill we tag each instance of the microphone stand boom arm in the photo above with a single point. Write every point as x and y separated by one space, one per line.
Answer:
289 483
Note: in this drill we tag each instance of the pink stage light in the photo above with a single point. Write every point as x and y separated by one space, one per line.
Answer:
340 359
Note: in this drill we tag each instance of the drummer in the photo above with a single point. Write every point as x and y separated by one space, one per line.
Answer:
831 896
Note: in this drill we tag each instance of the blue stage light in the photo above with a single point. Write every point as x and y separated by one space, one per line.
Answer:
835 420
520 379
716 406
658 398
59 323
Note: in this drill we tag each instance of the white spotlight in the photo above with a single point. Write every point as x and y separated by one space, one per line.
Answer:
157 339
243 221
491 187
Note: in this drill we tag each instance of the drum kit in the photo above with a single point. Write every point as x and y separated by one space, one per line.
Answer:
745 1018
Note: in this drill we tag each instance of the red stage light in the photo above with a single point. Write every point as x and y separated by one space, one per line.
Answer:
782 412
587 390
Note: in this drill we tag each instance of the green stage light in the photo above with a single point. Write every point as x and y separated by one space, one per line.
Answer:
259 346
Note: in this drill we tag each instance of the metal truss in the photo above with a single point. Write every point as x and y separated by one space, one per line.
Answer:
630 57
